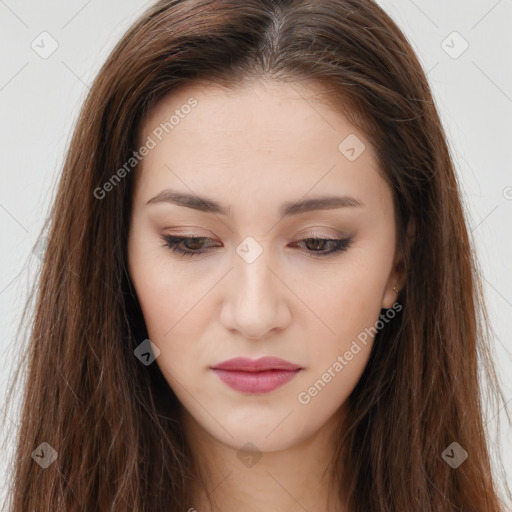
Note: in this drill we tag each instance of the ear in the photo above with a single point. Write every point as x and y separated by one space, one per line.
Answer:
397 277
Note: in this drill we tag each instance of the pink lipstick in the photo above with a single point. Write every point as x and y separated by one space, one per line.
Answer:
256 376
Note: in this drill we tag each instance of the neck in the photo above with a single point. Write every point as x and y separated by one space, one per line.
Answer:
294 479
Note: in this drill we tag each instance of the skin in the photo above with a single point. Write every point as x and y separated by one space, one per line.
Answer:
251 149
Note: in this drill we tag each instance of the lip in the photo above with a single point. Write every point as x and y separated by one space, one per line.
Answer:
245 364
256 376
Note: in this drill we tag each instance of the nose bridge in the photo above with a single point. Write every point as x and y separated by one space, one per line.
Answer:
255 301
255 277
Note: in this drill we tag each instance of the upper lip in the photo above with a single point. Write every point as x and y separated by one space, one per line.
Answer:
245 364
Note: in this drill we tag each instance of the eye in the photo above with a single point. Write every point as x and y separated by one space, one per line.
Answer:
337 245
190 246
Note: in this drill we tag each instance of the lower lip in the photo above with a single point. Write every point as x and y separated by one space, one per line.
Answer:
255 382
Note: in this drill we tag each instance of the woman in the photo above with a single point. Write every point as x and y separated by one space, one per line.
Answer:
258 290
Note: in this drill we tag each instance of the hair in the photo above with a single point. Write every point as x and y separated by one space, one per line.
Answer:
115 422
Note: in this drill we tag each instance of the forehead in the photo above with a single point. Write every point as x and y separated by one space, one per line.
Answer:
262 111
281 137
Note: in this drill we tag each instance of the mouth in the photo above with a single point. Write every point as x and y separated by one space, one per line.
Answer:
256 376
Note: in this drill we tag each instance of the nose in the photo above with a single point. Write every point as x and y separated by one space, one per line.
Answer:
256 300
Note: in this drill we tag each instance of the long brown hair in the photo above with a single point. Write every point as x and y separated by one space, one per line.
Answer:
113 421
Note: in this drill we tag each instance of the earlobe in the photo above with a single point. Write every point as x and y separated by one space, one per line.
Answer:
398 276
394 286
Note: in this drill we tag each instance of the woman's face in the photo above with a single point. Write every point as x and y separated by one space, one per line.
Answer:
277 170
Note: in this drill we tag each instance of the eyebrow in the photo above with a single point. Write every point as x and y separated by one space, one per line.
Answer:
204 204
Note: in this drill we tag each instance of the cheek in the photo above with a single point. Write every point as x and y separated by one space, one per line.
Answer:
349 304
338 359
164 293
171 324
172 310
346 304
172 320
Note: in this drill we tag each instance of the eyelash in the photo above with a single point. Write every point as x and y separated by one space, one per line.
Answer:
173 243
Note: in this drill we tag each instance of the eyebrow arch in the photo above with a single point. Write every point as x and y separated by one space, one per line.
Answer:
289 208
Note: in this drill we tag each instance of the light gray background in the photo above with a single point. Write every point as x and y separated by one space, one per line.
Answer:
40 98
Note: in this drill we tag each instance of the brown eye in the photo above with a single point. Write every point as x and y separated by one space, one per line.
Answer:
190 246
315 245
193 245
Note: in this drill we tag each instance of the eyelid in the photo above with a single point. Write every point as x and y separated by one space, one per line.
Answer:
311 232
341 244
301 236
317 233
